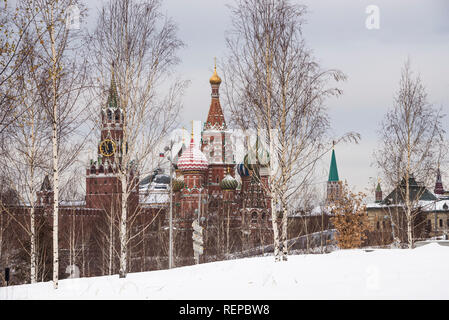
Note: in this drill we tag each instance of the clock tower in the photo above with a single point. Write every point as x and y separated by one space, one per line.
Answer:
102 184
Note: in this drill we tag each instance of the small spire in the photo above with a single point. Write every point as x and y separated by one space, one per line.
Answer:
183 137
112 99
192 132
333 171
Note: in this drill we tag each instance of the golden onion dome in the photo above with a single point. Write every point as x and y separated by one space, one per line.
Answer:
215 79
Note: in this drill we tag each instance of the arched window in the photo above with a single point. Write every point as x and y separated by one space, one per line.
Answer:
109 113
117 115
254 217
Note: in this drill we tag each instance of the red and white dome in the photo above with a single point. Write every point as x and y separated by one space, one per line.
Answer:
193 159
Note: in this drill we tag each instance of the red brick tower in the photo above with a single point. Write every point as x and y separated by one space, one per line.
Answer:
439 189
214 140
103 187
378 193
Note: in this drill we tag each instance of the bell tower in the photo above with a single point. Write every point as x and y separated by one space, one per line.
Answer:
333 183
216 140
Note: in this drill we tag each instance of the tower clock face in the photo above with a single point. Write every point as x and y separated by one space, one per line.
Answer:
107 148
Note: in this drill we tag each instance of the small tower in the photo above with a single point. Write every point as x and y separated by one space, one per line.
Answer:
45 195
378 193
439 190
333 183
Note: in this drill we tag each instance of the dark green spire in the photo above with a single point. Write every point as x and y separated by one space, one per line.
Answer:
378 187
333 171
112 98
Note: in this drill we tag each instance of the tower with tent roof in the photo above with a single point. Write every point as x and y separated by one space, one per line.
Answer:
333 182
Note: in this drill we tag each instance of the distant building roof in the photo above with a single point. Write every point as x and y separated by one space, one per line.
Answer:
417 192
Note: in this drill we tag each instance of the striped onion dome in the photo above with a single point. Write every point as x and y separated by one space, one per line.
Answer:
193 159
242 170
229 183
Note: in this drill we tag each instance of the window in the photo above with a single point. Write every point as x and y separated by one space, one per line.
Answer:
378 225
254 217
429 225
441 223
109 115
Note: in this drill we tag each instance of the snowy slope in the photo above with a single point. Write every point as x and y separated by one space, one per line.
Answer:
421 273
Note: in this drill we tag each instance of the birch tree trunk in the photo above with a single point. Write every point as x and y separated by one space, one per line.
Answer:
54 140
123 228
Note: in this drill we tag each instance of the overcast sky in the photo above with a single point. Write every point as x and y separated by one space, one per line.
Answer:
336 32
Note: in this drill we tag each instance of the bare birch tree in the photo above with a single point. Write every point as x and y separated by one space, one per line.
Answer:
141 44
410 137
28 147
273 83
62 76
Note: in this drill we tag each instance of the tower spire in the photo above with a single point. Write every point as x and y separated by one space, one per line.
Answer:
439 189
378 193
215 118
112 98
333 183
333 171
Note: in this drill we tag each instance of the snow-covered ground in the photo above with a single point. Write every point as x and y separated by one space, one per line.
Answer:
421 273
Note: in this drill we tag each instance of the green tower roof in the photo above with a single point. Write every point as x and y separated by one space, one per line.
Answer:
333 171
378 187
112 98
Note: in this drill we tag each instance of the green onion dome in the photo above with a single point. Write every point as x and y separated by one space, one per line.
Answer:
177 184
229 183
257 155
